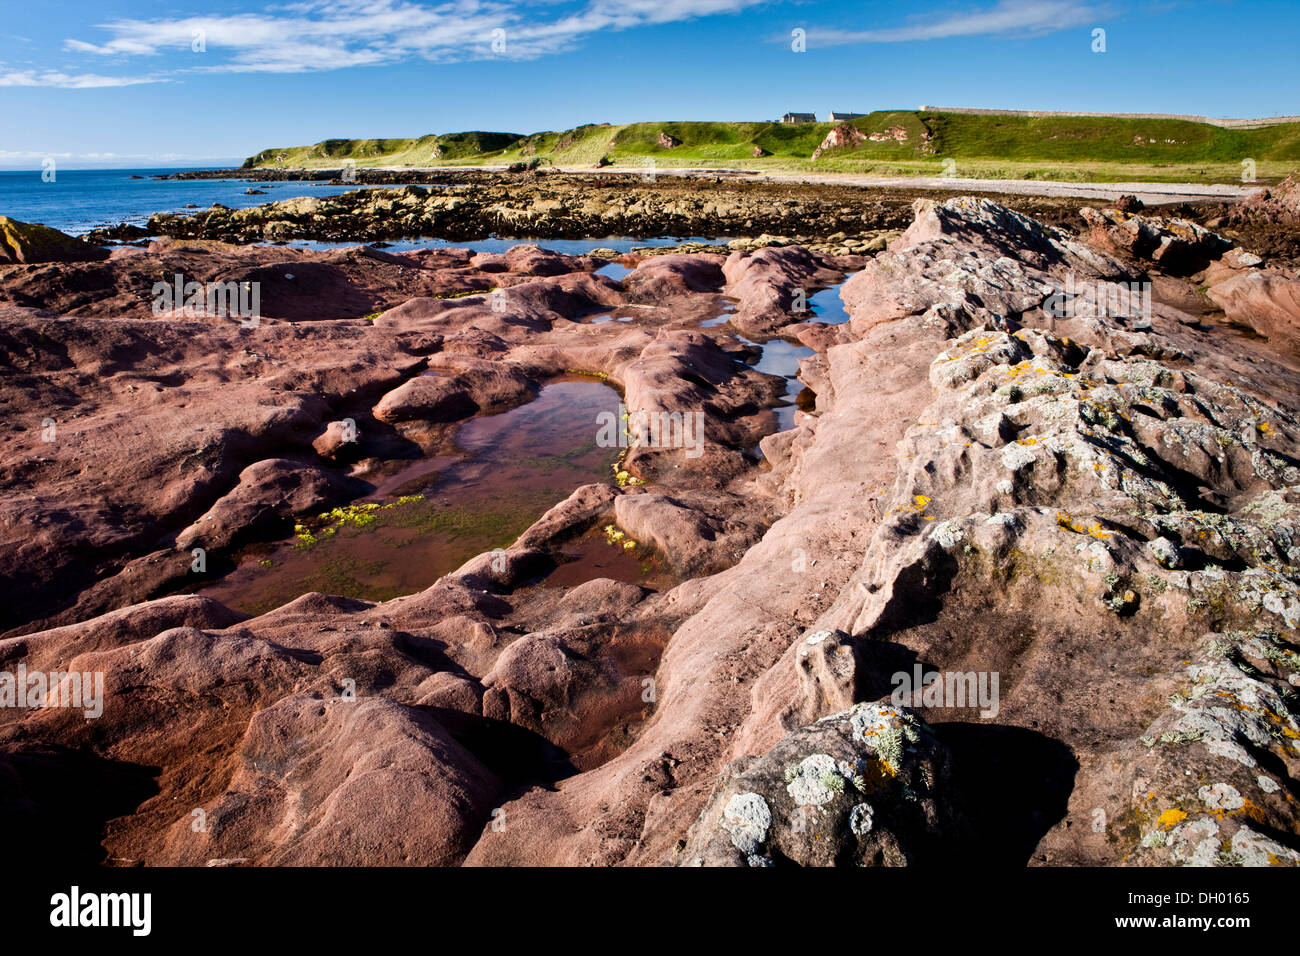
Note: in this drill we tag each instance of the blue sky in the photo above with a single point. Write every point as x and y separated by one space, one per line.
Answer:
175 82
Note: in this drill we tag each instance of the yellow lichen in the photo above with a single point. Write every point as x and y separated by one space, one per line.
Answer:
1171 818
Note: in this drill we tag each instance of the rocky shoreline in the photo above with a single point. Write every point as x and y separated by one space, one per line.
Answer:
988 476
478 205
469 205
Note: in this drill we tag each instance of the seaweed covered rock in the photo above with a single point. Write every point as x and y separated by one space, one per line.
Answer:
1176 246
269 492
32 242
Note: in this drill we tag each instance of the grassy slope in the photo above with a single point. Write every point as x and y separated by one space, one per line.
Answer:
417 151
1068 148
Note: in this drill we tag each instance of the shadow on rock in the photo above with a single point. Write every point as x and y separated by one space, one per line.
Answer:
520 757
55 804
1013 784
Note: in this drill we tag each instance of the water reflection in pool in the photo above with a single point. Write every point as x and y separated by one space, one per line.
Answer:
511 468
614 270
779 357
827 306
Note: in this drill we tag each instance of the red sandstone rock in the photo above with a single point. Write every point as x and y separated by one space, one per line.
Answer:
1267 302
840 136
1069 502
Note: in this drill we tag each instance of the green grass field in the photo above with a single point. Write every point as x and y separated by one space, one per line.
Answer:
1068 148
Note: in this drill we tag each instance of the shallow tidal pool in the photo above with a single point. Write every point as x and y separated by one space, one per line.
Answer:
508 470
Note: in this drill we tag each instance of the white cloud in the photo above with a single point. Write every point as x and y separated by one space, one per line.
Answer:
1006 17
316 35
78 81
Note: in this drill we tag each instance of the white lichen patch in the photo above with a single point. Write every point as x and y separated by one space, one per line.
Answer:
1155 839
815 781
1221 796
947 534
1195 842
1231 711
1253 849
1017 457
861 819
748 819
1165 552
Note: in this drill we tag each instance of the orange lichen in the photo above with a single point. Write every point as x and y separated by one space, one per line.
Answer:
1171 818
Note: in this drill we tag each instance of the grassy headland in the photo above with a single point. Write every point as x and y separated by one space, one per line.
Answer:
895 143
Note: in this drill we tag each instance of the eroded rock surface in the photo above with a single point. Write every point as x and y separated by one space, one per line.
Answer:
1098 507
